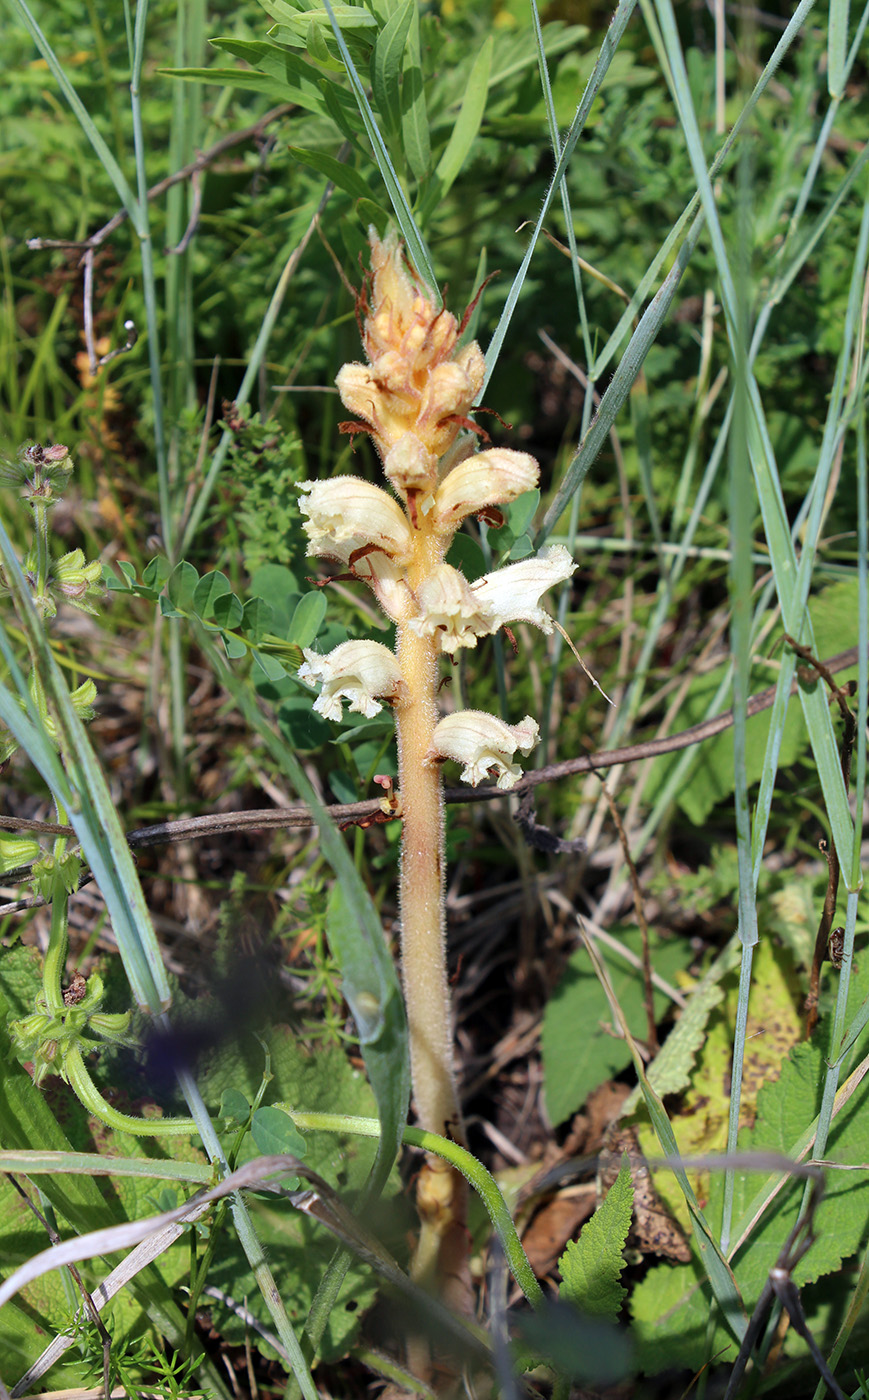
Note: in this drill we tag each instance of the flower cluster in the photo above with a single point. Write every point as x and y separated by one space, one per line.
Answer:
413 398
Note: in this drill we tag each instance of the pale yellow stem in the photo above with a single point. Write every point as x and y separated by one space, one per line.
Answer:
441 1196
423 929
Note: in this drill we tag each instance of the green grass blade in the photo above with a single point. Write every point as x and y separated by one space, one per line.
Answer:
386 66
104 155
607 53
837 43
414 242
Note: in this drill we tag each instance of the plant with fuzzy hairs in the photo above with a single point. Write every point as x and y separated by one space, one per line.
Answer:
413 397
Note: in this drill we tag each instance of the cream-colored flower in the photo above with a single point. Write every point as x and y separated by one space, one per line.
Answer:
362 673
492 478
513 594
484 744
353 514
385 578
449 609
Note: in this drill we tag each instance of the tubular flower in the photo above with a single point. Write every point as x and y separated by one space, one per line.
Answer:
354 514
449 609
513 594
484 744
492 478
416 381
358 672
385 578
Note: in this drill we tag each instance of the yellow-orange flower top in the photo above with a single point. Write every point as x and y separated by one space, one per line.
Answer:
416 391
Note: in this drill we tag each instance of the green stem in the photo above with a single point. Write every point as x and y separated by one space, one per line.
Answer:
80 1081
54 965
482 1181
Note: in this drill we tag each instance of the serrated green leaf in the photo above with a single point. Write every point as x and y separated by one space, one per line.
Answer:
275 1132
670 1071
307 619
181 585
591 1266
386 65
578 1051
468 121
208 590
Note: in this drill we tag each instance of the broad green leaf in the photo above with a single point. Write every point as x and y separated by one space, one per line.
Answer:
307 618
300 726
468 121
318 50
181 585
293 75
258 619
591 1266
299 1249
228 610
245 79
233 645
275 1132
278 587
156 571
207 591
386 65
582 1349
234 1104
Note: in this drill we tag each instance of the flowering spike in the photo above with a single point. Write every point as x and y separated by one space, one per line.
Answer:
416 381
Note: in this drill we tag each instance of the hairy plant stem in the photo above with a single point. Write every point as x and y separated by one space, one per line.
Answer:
441 1190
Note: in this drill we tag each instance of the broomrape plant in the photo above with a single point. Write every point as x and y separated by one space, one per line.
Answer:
413 398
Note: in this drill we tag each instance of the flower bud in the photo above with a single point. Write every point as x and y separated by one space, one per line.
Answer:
490 478
358 672
416 379
410 466
484 744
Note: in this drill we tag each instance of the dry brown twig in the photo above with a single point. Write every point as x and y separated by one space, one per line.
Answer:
351 813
